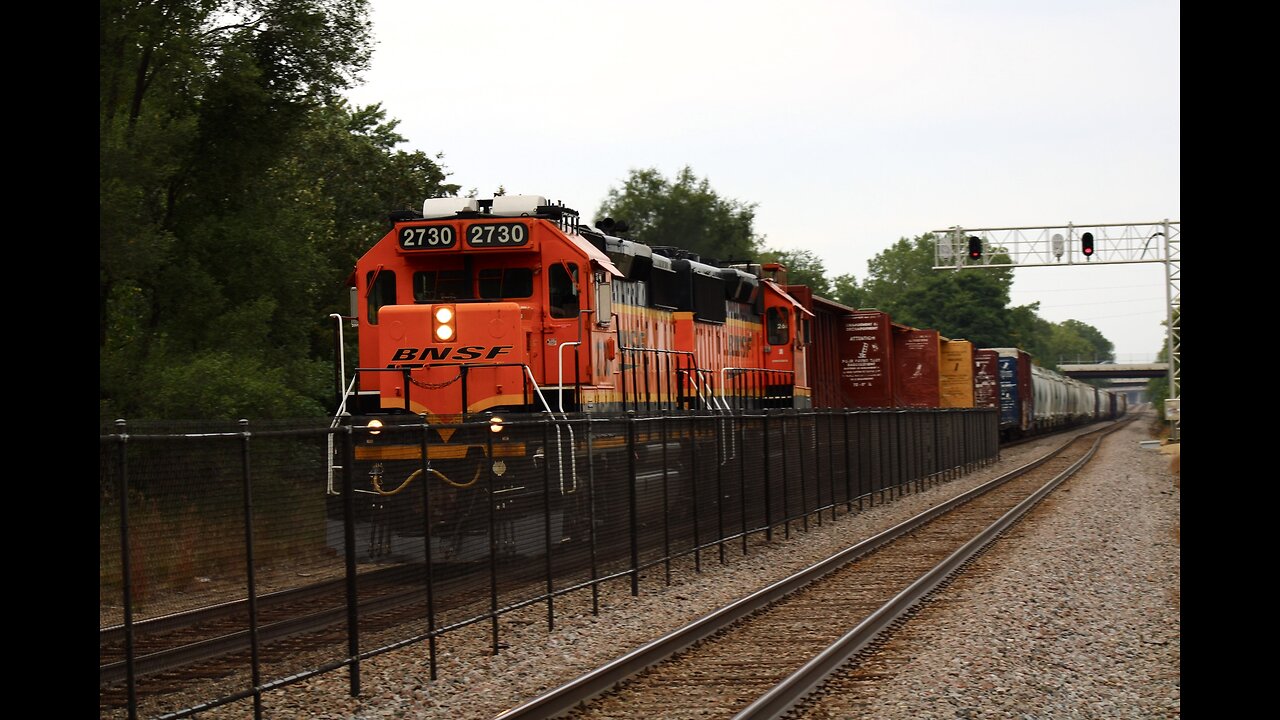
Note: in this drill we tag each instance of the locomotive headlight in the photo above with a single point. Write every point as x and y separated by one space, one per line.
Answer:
495 424
444 330
375 426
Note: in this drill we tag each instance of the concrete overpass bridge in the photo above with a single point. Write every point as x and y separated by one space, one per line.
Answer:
1115 370
1129 378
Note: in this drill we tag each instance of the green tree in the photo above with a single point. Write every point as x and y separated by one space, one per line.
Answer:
804 267
1098 347
968 304
846 290
1076 341
236 191
1032 333
894 273
684 213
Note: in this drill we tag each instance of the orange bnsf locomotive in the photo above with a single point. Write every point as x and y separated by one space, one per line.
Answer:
479 320
508 305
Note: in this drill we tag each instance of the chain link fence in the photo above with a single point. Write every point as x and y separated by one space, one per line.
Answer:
260 554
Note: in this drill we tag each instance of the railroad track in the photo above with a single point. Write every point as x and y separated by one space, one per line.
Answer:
759 656
206 643
174 652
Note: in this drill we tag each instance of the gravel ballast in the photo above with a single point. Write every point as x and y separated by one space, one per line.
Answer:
1075 614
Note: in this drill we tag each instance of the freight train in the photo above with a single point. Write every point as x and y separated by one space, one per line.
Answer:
475 318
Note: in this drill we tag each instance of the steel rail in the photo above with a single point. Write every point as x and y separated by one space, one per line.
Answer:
213 648
180 620
793 689
560 700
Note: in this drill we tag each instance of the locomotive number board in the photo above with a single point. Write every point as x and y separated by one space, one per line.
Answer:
428 237
478 235
497 235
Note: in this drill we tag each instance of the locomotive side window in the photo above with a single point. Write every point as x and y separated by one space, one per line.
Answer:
433 286
562 286
382 291
778 327
500 283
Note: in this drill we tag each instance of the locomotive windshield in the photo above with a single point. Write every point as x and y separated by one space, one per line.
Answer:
502 284
489 284
437 285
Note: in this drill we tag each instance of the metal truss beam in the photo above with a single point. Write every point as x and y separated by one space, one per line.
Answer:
1061 245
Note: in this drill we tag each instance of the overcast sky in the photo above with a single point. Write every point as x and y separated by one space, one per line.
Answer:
849 124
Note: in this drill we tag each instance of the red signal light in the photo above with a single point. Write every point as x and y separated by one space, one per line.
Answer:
1086 244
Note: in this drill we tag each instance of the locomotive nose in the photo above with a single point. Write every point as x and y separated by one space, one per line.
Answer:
449 358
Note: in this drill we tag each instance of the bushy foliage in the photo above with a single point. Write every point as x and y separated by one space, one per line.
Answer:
683 212
237 189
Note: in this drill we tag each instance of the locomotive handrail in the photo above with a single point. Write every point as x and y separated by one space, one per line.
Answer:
340 351
463 370
337 420
560 380
537 390
572 440
728 450
692 376
690 355
705 393
724 383
559 441
342 407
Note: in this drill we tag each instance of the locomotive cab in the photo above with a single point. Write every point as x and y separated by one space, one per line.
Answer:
467 307
470 315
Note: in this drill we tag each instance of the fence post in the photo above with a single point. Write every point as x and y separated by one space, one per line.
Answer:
566 507
693 489
250 580
740 428
831 460
666 499
768 504
786 508
126 568
801 457
349 550
917 447
428 565
591 509
900 477
631 494
848 479
720 455
493 537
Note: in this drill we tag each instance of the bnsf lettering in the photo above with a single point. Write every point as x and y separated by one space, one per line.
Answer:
466 352
739 345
